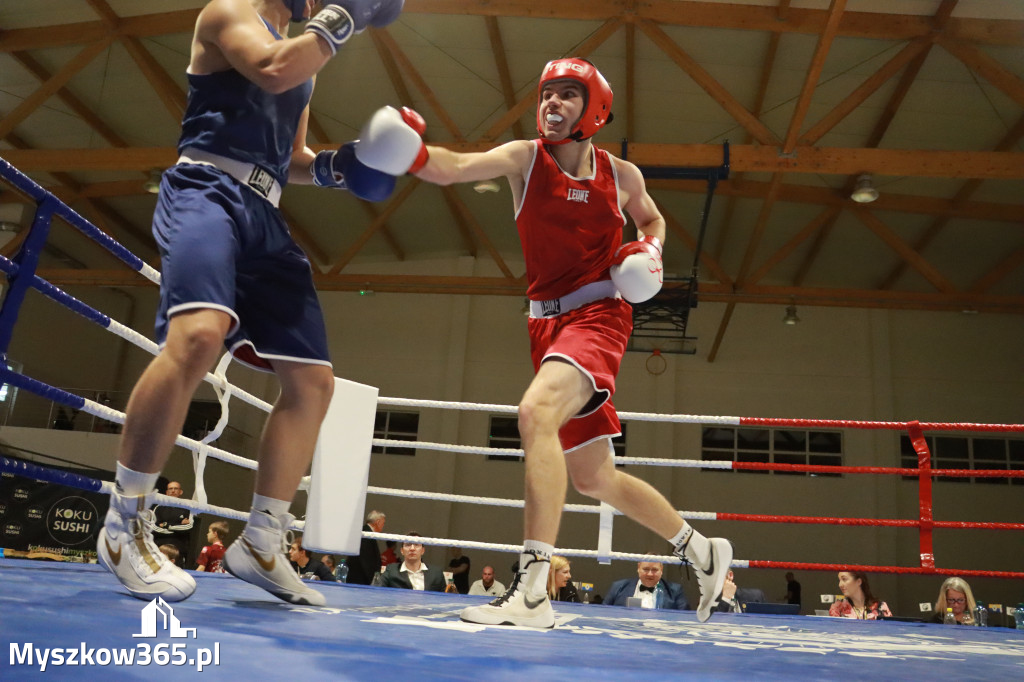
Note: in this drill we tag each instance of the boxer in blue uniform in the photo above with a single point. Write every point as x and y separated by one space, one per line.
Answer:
233 275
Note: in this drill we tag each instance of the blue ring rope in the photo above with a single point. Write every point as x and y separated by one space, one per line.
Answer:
40 473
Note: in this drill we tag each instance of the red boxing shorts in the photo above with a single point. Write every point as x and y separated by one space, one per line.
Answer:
593 338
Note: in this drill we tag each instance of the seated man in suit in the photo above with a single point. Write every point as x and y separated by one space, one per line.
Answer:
733 597
413 574
646 588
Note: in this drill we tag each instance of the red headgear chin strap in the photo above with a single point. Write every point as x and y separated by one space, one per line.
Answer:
597 106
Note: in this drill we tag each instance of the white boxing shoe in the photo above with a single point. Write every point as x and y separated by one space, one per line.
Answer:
711 573
125 547
259 558
515 607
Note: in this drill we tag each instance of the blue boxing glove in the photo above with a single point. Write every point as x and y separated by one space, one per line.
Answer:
378 13
341 169
339 19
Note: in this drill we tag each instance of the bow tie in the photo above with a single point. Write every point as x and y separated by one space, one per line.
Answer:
644 588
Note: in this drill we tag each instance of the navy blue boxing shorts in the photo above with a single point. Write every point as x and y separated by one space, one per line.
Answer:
224 247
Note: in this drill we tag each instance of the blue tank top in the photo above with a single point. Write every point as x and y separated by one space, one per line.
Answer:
229 115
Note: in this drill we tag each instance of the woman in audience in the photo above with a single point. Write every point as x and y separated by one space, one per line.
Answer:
955 594
857 601
559 587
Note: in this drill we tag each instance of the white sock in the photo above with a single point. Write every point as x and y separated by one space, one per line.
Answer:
132 483
690 544
535 561
270 505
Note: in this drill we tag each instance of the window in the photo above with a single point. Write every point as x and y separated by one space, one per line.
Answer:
962 452
504 433
396 426
772 446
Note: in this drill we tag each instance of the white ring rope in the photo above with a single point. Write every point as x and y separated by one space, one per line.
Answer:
585 553
504 502
512 409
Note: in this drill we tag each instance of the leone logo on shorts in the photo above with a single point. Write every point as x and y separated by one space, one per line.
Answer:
261 181
72 520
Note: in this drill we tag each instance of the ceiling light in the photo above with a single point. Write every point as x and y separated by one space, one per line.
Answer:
152 184
790 317
864 191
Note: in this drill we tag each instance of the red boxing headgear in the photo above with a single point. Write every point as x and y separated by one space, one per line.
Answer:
597 105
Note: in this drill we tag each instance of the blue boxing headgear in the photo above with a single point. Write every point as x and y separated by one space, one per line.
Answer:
298 8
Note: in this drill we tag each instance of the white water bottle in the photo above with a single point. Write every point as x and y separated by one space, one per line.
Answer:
981 615
950 619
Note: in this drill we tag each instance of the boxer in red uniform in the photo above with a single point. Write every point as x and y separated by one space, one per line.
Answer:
569 199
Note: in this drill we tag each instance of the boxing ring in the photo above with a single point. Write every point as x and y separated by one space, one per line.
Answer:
363 630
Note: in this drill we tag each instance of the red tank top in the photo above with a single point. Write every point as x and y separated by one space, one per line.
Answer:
569 227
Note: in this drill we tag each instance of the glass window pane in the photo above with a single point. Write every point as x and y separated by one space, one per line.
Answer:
752 457
790 441
990 449
826 460
790 459
826 441
715 437
950 447
1017 453
407 422
753 439
504 427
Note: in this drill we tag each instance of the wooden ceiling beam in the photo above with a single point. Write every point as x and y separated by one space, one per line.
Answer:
52 85
409 70
668 12
466 217
508 91
759 227
393 205
959 199
1008 165
865 90
385 230
985 66
913 258
826 217
706 259
71 100
712 87
825 38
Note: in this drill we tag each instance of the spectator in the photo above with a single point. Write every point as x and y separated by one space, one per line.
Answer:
734 598
459 568
559 587
170 551
487 584
332 565
210 559
309 568
857 602
645 588
955 594
792 590
363 568
173 525
388 556
413 574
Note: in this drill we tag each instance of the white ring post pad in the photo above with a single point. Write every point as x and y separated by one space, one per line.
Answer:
341 468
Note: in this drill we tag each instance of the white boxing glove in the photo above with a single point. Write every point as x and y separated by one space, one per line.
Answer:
637 269
391 141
